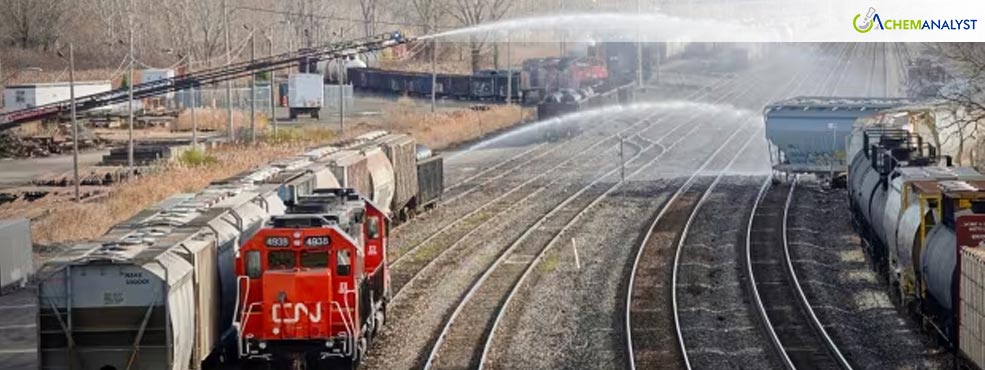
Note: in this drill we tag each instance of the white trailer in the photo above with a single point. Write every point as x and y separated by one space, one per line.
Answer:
305 94
25 96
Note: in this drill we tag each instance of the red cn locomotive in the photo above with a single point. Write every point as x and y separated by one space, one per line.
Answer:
313 284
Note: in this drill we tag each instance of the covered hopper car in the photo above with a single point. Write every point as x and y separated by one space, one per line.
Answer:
158 290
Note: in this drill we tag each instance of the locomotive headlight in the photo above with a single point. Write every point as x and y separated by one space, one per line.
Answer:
276 331
328 344
263 345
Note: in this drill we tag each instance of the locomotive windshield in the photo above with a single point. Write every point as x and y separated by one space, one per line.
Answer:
314 260
281 260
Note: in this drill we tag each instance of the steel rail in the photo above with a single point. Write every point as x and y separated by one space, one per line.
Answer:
639 255
800 291
757 299
684 187
436 347
459 220
680 248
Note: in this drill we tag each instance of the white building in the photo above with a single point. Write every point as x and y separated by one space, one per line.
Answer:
17 97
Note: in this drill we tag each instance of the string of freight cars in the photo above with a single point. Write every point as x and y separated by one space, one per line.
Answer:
205 77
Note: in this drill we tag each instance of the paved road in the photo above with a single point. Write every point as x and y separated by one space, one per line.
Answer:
15 172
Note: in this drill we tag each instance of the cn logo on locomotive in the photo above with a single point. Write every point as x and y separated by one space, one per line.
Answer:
297 309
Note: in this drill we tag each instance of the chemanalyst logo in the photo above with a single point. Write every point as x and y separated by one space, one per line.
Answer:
871 20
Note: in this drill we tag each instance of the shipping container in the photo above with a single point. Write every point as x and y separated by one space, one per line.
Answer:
402 152
431 182
16 256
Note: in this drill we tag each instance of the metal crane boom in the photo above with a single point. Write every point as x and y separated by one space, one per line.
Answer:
205 77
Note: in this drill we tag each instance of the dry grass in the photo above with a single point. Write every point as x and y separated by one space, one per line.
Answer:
58 221
442 130
210 119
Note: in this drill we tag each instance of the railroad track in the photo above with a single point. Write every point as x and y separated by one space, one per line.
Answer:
648 316
459 345
461 249
797 335
462 224
645 343
464 339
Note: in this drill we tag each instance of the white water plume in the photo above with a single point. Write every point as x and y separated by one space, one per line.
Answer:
605 116
616 27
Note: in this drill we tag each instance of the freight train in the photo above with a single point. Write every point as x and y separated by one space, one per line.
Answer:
555 85
314 284
924 223
161 290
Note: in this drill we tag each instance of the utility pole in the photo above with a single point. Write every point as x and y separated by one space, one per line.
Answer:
75 122
639 46
509 72
834 138
2 83
253 88
622 159
194 93
560 7
434 75
341 68
129 96
273 72
229 60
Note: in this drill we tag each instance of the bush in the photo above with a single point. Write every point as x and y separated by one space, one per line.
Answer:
196 157
308 134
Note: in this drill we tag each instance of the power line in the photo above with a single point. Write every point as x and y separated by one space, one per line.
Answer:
335 18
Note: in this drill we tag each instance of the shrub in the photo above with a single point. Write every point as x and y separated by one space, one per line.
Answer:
196 157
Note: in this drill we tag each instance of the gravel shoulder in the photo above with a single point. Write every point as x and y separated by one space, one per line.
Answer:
849 298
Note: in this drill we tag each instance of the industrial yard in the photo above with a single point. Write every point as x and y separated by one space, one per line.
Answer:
523 189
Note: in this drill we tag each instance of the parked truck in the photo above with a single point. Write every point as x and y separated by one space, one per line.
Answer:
306 94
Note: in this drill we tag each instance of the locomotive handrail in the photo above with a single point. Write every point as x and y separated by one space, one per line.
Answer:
246 320
350 333
242 314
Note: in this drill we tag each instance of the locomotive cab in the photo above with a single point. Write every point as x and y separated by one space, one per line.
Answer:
313 282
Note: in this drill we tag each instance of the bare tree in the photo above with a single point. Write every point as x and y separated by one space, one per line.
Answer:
370 11
474 12
430 13
34 23
963 92
310 20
